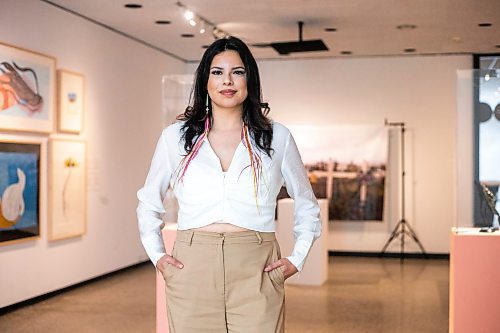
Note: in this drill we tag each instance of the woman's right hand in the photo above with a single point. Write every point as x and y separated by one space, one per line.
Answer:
168 260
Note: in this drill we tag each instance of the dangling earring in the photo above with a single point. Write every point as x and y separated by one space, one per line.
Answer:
207 107
207 116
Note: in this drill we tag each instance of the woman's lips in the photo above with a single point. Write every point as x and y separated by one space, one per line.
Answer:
228 92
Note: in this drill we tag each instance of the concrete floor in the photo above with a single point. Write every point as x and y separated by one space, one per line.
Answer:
362 295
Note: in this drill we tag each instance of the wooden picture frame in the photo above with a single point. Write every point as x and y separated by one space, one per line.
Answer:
70 101
27 90
67 190
22 188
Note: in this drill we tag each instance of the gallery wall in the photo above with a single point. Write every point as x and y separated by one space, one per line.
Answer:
417 90
122 122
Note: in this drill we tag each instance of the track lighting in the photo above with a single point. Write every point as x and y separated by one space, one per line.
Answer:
194 20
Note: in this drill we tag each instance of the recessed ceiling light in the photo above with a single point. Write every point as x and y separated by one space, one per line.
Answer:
485 24
204 46
187 35
406 27
497 46
330 29
163 22
345 52
456 39
133 5
410 50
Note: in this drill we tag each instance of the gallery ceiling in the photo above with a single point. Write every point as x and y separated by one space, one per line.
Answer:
349 28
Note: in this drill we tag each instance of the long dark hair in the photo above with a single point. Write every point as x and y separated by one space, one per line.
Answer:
254 109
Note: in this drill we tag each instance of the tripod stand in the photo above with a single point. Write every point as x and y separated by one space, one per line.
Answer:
402 228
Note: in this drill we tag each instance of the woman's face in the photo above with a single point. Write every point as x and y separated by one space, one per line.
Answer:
227 81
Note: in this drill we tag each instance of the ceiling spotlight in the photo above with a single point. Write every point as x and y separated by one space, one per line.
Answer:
485 24
202 27
406 27
192 22
188 15
133 5
487 77
410 50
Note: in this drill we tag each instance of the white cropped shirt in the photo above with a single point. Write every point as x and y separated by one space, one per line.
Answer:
207 194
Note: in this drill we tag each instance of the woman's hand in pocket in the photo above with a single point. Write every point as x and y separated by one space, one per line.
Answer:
286 267
168 260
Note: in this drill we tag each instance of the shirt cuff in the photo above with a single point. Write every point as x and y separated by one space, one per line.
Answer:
299 254
155 257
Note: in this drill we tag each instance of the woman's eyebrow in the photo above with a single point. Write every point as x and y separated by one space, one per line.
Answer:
237 67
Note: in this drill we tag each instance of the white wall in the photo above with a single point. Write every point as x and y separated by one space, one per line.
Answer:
417 90
122 124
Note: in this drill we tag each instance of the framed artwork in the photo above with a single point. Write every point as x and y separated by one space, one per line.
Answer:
27 90
67 190
347 165
70 95
22 188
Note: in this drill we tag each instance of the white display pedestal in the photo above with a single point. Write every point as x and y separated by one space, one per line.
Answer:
315 270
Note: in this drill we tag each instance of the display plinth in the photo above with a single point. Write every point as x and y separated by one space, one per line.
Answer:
474 281
315 270
169 233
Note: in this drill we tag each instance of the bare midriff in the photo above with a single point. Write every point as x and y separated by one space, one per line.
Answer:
220 226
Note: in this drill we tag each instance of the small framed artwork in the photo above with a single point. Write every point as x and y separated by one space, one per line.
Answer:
27 90
22 188
67 190
70 101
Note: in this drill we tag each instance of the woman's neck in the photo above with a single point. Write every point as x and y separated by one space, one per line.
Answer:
227 119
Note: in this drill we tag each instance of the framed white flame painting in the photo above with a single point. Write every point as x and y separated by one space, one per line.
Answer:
22 188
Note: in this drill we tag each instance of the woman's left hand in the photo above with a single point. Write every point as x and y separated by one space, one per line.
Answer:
285 265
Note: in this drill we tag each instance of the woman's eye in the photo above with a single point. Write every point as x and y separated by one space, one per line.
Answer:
216 72
239 72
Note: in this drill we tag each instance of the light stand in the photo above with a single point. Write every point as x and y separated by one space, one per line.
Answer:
402 228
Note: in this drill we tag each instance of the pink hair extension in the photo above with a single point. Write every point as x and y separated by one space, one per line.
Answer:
182 168
255 164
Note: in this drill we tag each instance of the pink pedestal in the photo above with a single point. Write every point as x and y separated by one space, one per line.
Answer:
169 233
474 282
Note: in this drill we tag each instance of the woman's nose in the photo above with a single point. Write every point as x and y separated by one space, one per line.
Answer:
227 79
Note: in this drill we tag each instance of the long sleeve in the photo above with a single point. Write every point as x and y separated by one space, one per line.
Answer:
150 205
307 227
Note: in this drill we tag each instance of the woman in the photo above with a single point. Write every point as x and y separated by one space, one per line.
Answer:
226 163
